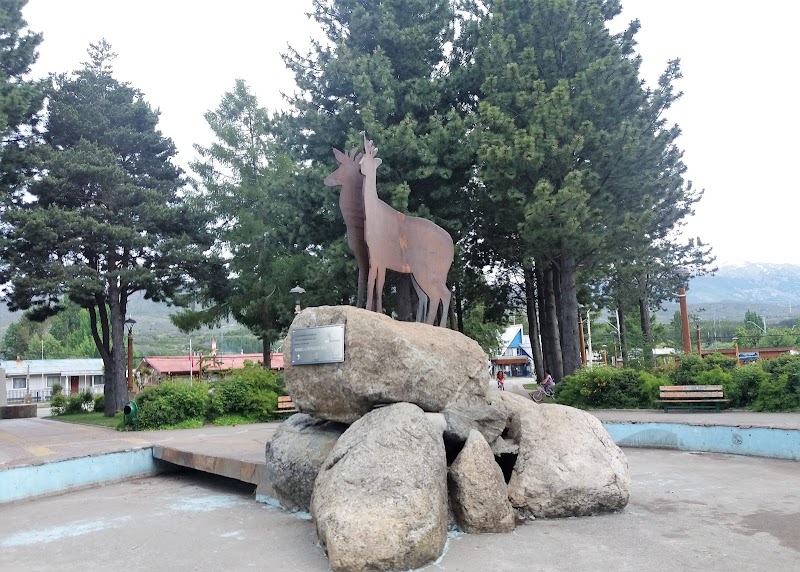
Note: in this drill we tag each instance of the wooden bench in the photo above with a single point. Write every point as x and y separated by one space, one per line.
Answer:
286 405
691 397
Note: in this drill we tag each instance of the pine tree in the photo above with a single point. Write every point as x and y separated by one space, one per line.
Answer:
105 217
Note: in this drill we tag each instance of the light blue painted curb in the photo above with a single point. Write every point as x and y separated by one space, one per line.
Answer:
25 482
753 441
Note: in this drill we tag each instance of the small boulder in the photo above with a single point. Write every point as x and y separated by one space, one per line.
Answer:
430 367
567 464
478 492
294 455
380 499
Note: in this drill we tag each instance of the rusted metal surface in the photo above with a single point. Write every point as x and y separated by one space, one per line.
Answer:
351 203
406 244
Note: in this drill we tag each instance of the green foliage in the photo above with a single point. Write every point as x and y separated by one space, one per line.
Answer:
717 376
251 392
687 371
105 215
57 389
58 404
748 379
75 402
604 387
99 403
169 404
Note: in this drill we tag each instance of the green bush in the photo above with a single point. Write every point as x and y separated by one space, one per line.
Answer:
649 388
748 379
57 388
74 403
58 404
776 394
170 404
601 387
687 371
99 403
251 392
716 376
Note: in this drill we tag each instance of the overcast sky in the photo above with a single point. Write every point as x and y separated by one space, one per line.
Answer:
739 113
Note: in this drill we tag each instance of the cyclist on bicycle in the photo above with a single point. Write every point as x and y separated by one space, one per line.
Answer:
548 382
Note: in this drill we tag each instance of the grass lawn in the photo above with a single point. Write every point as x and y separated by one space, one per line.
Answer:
91 418
530 386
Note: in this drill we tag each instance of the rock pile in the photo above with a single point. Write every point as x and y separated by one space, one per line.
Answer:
426 446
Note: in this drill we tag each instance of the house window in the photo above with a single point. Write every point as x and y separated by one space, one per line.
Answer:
97 380
19 383
53 379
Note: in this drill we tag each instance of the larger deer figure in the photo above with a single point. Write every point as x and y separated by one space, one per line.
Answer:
405 244
351 203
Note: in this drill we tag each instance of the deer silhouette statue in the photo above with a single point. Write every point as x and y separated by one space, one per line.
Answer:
405 244
351 203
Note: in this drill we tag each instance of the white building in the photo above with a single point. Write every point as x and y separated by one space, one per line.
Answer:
37 376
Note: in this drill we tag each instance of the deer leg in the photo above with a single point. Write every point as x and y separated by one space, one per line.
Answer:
373 272
362 287
379 289
422 299
446 294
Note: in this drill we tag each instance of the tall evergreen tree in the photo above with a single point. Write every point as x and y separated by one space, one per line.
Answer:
573 148
105 217
20 98
251 188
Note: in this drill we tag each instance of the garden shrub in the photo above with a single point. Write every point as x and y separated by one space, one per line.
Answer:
748 378
74 404
100 403
687 370
601 387
58 404
169 404
777 394
716 376
649 388
251 392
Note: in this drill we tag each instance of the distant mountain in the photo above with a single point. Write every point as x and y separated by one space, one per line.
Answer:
759 283
770 290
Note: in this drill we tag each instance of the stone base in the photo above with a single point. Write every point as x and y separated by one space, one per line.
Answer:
17 411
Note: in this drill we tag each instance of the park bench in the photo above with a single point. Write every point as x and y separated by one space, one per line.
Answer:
691 397
286 405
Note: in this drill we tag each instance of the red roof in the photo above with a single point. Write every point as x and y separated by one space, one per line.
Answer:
180 365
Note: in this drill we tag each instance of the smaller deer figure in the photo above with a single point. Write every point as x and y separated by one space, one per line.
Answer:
351 203
405 244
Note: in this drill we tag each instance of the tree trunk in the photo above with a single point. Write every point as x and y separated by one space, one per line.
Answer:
458 306
538 271
118 380
550 334
623 342
266 352
533 322
406 306
568 317
644 320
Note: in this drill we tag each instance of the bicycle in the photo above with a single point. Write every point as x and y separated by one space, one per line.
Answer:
540 393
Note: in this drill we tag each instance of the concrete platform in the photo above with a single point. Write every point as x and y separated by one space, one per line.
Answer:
688 512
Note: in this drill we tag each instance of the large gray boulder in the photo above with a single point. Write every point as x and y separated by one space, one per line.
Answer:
380 499
386 361
294 455
567 464
478 493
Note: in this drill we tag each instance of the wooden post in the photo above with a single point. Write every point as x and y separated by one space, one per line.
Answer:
583 346
687 340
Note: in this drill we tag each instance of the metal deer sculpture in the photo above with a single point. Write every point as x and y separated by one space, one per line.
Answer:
351 203
405 244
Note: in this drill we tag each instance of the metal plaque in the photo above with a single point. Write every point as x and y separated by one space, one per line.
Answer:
321 344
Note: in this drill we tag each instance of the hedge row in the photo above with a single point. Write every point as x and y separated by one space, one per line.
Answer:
767 385
250 394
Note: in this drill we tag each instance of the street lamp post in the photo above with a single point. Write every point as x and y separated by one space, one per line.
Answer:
297 291
130 322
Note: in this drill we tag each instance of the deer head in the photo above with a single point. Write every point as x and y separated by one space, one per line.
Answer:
369 162
348 168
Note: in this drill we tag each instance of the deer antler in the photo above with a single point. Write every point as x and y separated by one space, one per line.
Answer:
369 148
